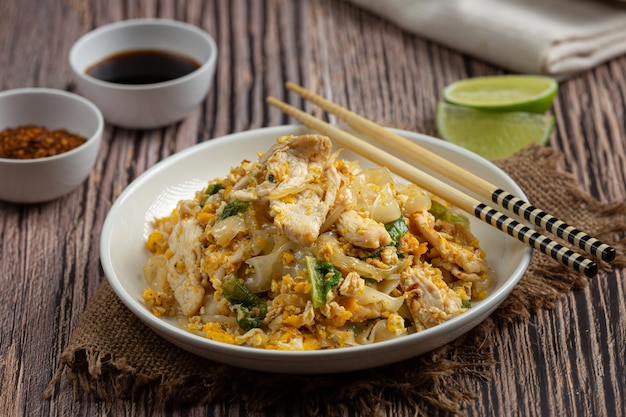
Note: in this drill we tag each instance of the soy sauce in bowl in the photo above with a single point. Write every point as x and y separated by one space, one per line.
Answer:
142 67
155 102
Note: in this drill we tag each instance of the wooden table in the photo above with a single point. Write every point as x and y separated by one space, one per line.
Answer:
570 360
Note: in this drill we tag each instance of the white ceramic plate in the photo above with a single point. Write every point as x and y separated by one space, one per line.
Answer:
156 192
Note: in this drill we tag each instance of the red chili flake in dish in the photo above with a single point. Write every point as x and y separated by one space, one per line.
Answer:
29 142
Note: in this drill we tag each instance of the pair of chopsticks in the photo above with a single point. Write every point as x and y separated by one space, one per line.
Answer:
454 196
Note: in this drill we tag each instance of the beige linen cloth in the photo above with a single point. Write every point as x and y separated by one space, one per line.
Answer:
553 37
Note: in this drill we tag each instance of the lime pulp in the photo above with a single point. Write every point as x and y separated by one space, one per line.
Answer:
528 93
492 135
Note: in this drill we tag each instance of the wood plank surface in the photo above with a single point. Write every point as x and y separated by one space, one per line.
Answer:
567 361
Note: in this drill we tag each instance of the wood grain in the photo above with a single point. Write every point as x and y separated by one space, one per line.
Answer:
567 361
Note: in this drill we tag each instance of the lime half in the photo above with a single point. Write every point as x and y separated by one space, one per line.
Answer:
529 93
492 135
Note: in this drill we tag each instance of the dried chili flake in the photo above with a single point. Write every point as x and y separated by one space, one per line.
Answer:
29 142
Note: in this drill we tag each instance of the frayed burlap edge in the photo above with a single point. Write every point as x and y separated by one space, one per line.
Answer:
424 384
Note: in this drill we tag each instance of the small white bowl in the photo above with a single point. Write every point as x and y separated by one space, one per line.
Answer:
145 106
43 179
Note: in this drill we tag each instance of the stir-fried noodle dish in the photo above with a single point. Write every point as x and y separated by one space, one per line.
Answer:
303 250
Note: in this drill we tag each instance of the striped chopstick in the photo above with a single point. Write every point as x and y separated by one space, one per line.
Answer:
452 195
467 179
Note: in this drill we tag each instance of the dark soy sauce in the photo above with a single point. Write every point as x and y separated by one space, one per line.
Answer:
142 67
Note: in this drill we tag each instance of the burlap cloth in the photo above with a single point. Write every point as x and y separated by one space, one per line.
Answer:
112 355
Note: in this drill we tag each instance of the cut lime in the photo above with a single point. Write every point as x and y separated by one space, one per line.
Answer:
492 135
529 93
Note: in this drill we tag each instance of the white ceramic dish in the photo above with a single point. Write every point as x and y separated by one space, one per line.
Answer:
145 106
156 192
43 179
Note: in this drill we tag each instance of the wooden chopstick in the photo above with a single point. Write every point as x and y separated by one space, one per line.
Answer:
467 179
443 190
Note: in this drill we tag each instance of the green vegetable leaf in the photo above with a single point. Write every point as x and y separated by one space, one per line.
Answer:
466 304
445 214
234 207
249 309
213 188
323 277
210 190
396 230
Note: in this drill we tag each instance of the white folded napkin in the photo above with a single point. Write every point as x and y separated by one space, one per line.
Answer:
552 37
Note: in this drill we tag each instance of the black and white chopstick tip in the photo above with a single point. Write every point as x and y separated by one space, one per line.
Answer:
553 225
536 240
